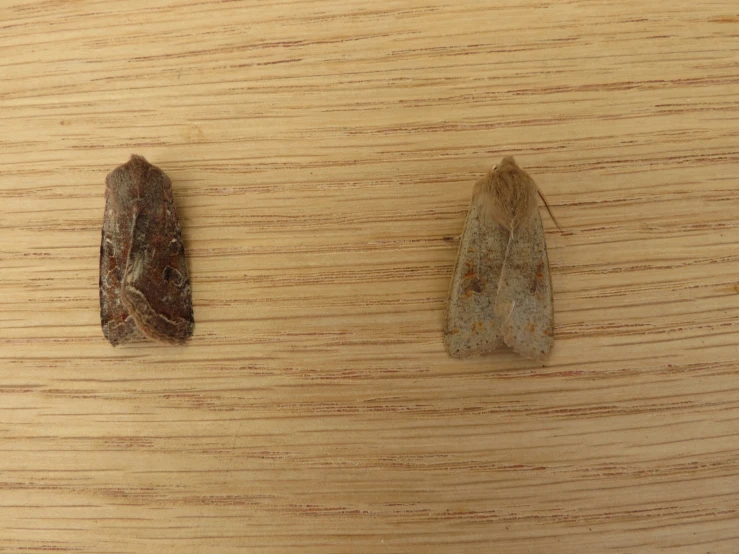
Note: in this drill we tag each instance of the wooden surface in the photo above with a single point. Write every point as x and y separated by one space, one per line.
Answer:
322 156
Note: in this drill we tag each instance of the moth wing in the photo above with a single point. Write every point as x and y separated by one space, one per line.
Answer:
118 326
524 302
471 325
156 284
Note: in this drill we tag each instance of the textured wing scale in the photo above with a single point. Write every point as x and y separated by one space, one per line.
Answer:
156 285
486 311
524 301
118 326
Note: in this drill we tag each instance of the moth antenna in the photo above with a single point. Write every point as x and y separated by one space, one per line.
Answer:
546 204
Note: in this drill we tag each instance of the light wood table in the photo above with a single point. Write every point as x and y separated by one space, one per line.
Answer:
322 155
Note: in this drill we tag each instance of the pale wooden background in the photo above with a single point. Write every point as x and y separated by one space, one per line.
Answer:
323 155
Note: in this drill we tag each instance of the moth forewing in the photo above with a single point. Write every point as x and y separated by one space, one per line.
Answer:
524 302
471 328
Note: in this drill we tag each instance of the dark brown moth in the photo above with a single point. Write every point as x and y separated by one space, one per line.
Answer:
501 291
144 284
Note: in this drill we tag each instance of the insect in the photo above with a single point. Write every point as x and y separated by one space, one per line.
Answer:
501 291
144 282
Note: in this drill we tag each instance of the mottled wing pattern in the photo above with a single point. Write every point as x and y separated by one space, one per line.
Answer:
524 303
156 284
118 326
471 327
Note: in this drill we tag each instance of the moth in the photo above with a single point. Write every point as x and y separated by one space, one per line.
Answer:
501 291
144 283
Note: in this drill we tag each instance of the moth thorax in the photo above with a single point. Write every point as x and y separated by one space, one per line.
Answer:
508 196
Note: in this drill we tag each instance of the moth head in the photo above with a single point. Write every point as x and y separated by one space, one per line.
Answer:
507 194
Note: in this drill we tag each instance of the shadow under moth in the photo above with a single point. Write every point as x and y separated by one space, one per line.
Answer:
501 291
144 284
